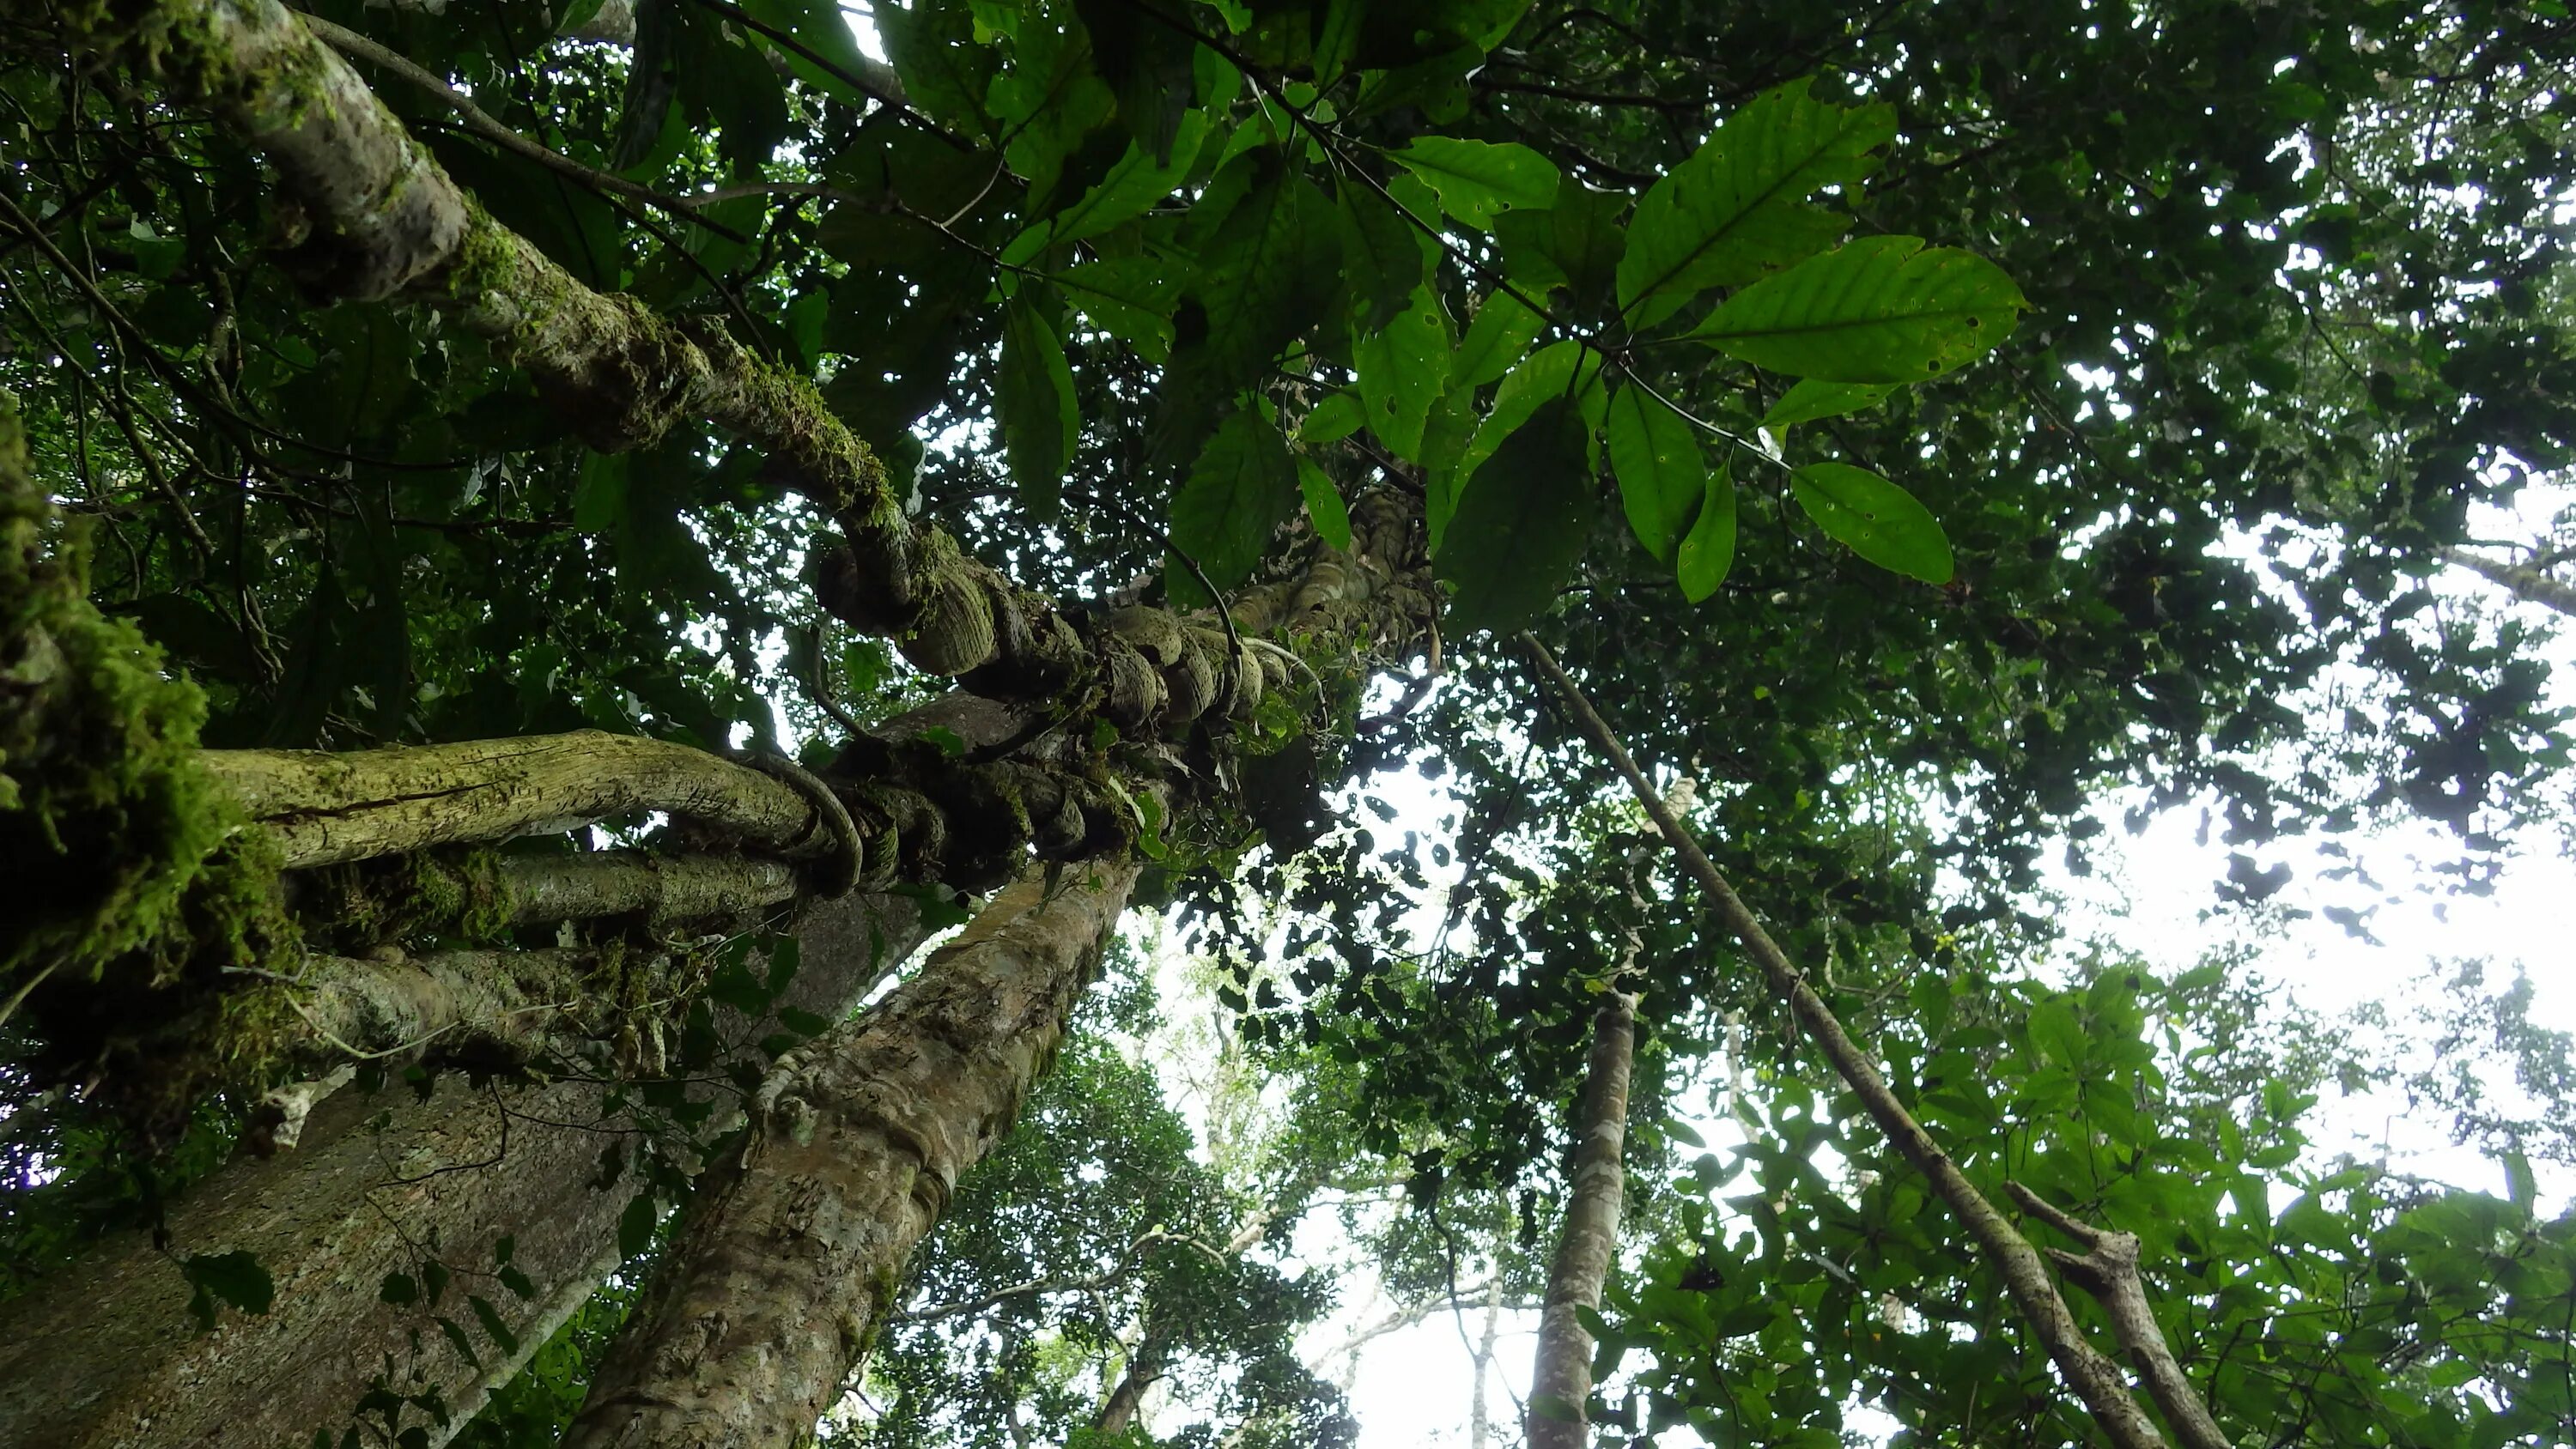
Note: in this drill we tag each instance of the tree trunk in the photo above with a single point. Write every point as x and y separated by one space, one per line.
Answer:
103 1351
1562 1380
2529 585
794 1250
1144 1370
1479 1422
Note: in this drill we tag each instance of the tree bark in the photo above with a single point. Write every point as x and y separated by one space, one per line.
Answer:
1144 1370
1561 1381
102 1352
793 1253
2527 584
323 808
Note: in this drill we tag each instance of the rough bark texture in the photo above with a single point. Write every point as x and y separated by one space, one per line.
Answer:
2093 1376
1127 1396
794 1250
2527 584
623 882
323 807
2108 1270
103 1353
1562 1379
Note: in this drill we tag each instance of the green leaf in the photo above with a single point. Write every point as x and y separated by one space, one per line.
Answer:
819 27
1815 398
1401 369
1522 523
490 1318
1331 420
1034 402
1130 298
1708 551
1126 191
1661 472
399 1290
1476 179
635 1225
235 1278
1324 506
1883 309
457 1340
1383 252
1737 208
932 46
1242 488
1880 521
1575 243
1498 337
519 1284
1560 369
599 498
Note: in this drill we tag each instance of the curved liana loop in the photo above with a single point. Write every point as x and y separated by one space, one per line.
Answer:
833 876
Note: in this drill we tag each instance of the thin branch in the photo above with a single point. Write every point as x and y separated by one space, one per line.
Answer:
2094 1377
358 47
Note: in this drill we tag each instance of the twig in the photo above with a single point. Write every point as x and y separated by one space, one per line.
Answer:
358 47
2094 1377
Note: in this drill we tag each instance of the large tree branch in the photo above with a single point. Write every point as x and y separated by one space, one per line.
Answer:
2093 1376
1561 1378
792 1256
2523 582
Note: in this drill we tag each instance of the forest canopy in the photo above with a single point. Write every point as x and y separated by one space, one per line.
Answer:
1425 582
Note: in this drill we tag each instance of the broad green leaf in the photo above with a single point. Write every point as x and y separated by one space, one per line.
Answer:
1128 190
599 498
1737 208
490 1317
932 46
1561 369
1242 488
1521 523
1383 252
1882 309
1502 331
1880 521
1035 402
1130 298
818 27
1814 398
1708 551
1402 369
1331 420
1324 506
1575 243
1476 179
1661 472
634 1227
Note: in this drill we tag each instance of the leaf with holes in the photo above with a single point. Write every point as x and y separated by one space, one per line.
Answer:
1402 367
1503 329
1476 179
1880 521
1883 309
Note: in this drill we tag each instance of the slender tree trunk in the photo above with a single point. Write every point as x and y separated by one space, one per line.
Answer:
1562 1380
2527 584
794 1251
1479 1419
103 1352
1144 1370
